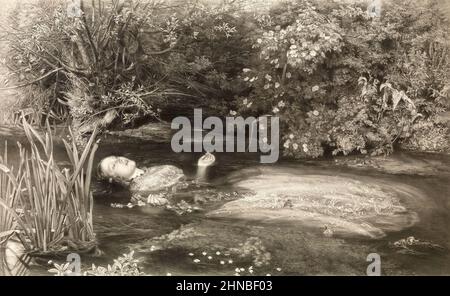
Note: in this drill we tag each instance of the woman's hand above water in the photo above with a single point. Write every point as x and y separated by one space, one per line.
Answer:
206 160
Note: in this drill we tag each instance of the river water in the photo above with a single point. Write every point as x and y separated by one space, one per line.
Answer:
167 242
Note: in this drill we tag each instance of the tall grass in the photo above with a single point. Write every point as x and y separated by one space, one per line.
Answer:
56 203
8 196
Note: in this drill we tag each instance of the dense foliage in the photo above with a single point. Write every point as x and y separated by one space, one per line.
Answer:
347 81
341 79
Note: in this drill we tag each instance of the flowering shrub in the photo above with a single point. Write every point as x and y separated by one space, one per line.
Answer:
344 81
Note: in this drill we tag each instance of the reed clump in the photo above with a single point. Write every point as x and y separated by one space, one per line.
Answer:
47 206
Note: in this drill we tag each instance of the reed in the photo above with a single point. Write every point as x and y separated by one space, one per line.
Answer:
8 196
55 203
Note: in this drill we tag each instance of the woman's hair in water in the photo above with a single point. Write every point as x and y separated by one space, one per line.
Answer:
99 171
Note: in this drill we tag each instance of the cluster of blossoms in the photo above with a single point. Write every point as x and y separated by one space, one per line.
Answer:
302 45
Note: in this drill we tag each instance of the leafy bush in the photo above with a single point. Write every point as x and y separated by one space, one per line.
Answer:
125 265
341 80
345 81
115 65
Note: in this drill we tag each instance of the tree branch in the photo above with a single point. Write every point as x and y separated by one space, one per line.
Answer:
34 81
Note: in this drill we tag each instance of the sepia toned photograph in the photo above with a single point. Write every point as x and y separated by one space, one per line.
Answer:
224 138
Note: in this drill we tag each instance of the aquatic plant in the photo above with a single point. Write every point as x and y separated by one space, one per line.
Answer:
8 196
413 246
60 269
254 248
55 204
125 265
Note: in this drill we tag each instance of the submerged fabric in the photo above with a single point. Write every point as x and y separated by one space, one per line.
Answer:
342 205
157 178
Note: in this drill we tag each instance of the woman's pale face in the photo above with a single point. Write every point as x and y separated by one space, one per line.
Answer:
118 167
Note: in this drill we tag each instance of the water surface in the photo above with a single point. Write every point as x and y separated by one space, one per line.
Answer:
168 243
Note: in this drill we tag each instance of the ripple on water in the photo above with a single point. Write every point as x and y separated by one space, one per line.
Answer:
346 205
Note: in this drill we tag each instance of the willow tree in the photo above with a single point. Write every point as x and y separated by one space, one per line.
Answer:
96 62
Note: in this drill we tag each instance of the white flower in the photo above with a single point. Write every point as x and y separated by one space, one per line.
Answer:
313 53
245 70
244 102
268 77
292 47
295 146
217 253
259 40
196 260
253 79
267 86
209 257
230 261
305 148
191 254
278 269
196 34
275 110
315 88
281 104
291 136
222 262
287 144
233 113
204 253
316 113
277 85
249 104
246 79
288 75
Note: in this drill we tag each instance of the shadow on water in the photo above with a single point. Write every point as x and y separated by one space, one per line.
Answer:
168 242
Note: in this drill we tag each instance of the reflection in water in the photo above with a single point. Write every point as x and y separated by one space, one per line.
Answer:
13 260
203 164
201 174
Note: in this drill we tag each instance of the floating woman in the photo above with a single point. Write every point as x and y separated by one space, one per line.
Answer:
141 182
145 182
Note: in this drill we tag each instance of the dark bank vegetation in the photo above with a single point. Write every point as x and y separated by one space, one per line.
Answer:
342 81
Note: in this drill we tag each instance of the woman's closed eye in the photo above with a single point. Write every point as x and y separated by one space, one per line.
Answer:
123 161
